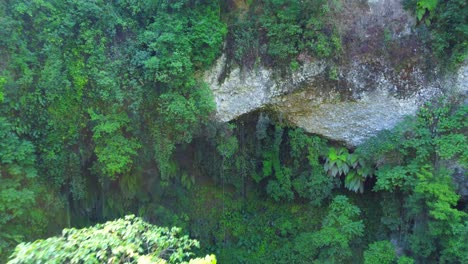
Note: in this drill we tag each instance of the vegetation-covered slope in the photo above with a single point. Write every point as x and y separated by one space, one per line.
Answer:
103 113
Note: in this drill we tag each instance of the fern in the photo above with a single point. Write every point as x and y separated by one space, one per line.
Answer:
424 7
337 162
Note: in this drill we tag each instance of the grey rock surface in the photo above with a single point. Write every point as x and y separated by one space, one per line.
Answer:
377 85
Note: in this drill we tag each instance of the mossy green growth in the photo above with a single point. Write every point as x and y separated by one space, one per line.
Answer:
446 22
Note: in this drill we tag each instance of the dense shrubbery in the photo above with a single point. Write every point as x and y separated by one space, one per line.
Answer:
19 192
415 161
447 23
95 86
102 113
128 240
276 32
409 168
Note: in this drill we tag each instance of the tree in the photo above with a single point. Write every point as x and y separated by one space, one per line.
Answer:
331 244
380 252
417 154
18 190
114 151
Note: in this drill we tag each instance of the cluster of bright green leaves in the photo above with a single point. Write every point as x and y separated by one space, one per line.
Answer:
384 252
355 169
337 162
127 240
425 8
445 227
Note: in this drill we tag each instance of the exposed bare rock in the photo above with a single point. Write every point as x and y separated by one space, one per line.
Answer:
382 77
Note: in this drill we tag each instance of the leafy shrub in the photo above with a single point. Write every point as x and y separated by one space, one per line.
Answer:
405 260
416 168
128 240
312 183
114 151
340 162
19 192
331 244
380 252
279 30
446 21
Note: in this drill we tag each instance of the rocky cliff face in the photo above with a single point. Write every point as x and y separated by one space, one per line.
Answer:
383 76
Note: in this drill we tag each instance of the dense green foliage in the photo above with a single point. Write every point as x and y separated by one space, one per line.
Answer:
331 242
380 252
409 167
19 201
88 84
128 240
418 156
103 113
276 32
286 161
447 23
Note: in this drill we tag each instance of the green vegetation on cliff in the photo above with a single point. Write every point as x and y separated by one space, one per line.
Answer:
446 22
103 114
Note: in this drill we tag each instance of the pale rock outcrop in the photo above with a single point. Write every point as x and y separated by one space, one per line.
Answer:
379 80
